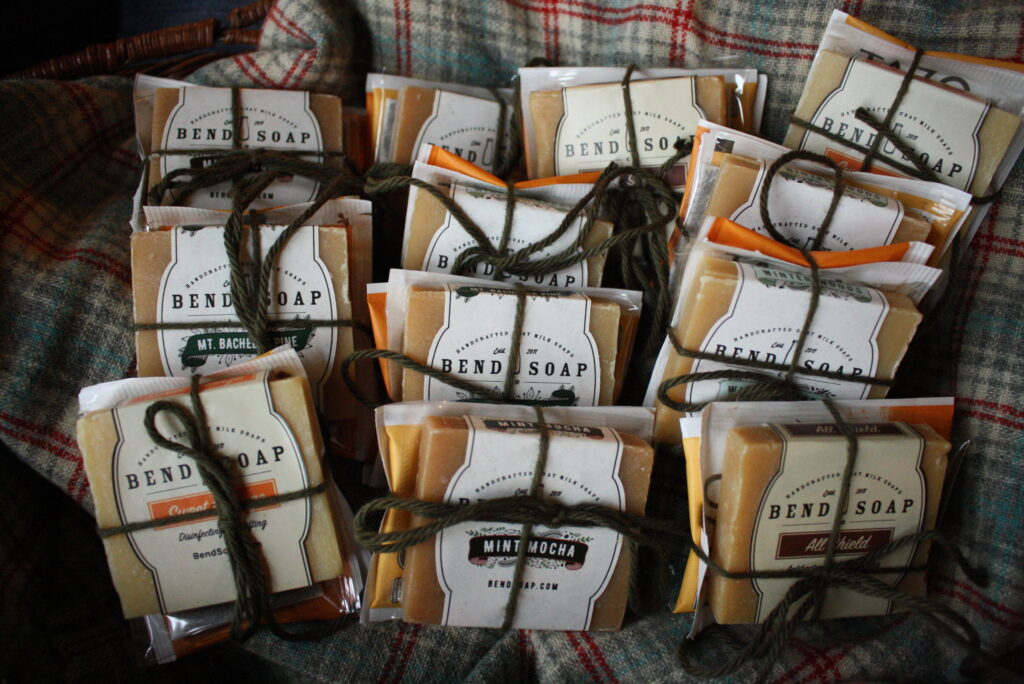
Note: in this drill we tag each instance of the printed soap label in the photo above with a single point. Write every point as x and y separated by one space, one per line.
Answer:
940 126
270 120
763 323
567 568
463 125
531 223
592 132
795 514
558 363
196 288
189 561
798 201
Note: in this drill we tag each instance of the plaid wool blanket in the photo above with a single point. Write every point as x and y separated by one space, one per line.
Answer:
68 173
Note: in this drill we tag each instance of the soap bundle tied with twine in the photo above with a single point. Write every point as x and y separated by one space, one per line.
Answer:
861 574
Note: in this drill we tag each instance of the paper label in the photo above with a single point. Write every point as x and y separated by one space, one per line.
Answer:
463 125
531 223
592 132
567 568
189 561
558 363
764 321
196 288
798 201
796 511
275 120
941 126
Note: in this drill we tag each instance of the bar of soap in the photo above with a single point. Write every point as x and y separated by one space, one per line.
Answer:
943 120
209 295
429 215
547 110
462 124
737 179
708 304
212 129
442 452
98 440
884 506
425 315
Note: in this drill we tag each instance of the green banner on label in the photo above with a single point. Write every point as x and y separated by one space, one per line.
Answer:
199 347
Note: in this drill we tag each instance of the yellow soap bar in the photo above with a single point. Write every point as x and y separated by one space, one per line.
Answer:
98 441
738 177
994 135
326 109
442 453
547 110
753 457
429 215
708 302
425 317
152 253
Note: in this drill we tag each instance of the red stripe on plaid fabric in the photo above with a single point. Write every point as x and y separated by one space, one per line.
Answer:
287 25
43 438
248 67
119 271
410 643
398 38
1005 408
583 656
814 658
396 647
408 38
980 610
598 656
937 577
745 37
86 103
313 54
303 57
527 657
998 420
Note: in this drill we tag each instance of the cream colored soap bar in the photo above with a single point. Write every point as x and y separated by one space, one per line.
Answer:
708 302
425 316
429 215
753 457
547 110
98 440
152 254
442 452
738 177
994 135
326 109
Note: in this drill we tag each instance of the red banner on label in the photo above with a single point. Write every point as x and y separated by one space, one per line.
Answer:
810 544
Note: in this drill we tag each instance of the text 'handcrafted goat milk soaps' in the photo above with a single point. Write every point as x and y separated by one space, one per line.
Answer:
799 200
960 137
462 124
435 238
755 312
183 276
567 354
583 128
575 577
778 497
265 429
200 118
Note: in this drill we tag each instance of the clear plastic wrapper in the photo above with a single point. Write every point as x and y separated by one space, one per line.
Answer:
961 115
400 433
904 470
574 118
574 348
406 113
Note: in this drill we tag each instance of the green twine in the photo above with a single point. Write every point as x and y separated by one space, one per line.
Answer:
252 587
884 131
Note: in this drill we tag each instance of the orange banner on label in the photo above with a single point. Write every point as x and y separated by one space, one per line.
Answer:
447 160
195 503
